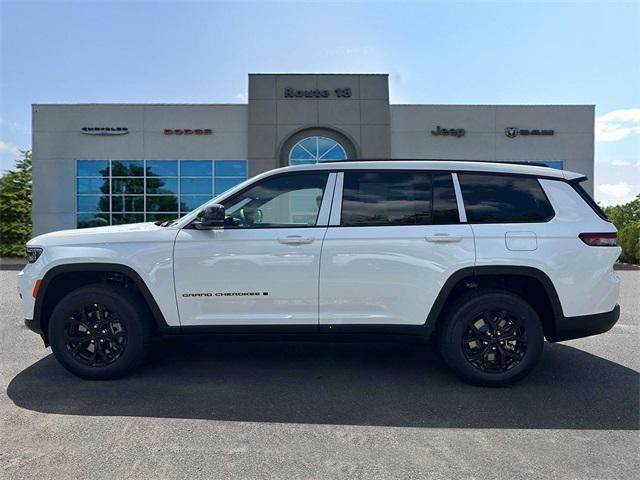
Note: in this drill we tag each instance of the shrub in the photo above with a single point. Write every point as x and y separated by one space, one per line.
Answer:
629 241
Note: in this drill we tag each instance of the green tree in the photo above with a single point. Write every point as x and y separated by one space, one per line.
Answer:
15 207
623 215
626 218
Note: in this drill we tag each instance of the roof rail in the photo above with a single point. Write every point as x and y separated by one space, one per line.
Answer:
531 163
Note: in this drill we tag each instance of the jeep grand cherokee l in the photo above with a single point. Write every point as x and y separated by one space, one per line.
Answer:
491 258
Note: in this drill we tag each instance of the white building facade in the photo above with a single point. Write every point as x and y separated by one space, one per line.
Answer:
102 164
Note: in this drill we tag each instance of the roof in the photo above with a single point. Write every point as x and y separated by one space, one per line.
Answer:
447 165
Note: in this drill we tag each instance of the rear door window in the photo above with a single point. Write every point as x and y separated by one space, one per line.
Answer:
386 198
492 198
398 198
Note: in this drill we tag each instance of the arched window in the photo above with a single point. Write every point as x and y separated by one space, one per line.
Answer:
316 149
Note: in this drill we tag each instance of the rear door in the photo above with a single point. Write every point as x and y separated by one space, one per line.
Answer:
394 238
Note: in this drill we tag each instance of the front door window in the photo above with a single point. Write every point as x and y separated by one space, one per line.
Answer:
291 200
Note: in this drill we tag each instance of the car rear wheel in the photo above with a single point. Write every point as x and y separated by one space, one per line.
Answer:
99 332
491 337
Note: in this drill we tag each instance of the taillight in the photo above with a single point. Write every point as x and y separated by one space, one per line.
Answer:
599 239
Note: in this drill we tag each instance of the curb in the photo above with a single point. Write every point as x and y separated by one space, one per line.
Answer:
9 263
625 266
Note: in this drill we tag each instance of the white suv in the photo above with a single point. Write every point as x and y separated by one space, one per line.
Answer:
491 257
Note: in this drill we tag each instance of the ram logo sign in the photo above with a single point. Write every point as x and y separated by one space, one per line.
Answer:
513 132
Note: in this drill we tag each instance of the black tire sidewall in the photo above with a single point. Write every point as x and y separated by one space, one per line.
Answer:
126 306
457 322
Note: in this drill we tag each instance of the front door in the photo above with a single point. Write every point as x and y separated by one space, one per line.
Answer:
262 267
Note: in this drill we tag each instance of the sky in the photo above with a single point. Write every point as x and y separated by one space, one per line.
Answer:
452 52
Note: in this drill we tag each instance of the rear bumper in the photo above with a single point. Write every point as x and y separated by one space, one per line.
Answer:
568 328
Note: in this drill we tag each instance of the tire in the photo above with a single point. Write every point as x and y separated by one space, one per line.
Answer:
115 348
472 331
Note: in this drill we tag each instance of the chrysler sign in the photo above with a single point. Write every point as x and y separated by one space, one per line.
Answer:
105 131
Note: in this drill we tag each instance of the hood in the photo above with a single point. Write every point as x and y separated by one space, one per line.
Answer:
116 233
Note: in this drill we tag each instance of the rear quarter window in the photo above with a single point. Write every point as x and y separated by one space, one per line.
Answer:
492 198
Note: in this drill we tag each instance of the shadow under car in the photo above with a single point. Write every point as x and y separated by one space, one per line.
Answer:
351 383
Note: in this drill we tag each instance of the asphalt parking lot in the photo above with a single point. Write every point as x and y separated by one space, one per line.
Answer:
320 410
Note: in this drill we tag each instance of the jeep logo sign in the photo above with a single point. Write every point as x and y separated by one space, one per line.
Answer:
451 132
513 132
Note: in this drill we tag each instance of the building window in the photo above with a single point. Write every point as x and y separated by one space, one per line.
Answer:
557 164
113 192
316 149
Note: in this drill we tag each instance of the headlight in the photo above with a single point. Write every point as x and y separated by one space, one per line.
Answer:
33 253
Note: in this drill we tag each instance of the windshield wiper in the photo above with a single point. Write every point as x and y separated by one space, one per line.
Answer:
165 223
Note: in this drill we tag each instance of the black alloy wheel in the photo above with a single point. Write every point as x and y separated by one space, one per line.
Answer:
495 341
94 335
491 337
100 332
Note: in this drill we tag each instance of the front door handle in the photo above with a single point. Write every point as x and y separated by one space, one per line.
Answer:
443 238
295 240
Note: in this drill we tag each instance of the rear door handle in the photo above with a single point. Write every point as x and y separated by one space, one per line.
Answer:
295 240
443 238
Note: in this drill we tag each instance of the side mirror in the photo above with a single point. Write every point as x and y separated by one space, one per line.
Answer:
212 217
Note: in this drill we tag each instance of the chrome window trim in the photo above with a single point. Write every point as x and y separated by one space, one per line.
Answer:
327 200
459 200
336 203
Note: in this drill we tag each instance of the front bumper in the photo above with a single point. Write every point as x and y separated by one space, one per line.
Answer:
27 279
34 326
569 328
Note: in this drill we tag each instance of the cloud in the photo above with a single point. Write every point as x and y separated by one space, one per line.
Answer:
241 97
14 126
344 51
9 148
618 124
626 166
617 190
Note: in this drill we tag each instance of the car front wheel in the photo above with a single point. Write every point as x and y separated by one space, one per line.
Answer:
99 332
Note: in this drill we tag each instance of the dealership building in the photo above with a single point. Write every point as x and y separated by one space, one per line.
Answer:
102 164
